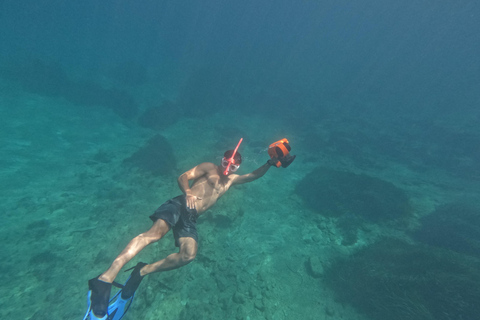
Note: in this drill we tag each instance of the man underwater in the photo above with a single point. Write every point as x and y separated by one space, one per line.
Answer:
179 214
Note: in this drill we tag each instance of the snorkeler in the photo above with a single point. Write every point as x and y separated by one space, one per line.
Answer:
180 214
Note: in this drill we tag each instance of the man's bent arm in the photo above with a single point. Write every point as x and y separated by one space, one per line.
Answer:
183 183
249 177
192 174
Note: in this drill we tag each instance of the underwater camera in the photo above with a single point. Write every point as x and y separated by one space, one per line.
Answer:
279 152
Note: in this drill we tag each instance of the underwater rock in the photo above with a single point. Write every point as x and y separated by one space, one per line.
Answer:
348 225
395 280
259 305
157 118
314 267
129 73
238 298
206 90
44 258
454 226
87 93
50 79
329 310
102 157
121 102
222 221
38 229
241 313
39 224
38 76
335 193
155 157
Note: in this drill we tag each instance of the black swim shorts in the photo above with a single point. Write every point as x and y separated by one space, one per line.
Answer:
182 220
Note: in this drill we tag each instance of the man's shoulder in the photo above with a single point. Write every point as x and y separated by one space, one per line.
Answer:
207 166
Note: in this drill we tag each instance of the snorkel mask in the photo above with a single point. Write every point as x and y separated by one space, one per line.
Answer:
229 164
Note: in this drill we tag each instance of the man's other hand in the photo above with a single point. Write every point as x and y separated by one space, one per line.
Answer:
191 201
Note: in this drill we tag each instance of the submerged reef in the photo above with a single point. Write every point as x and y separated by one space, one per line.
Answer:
87 93
454 226
159 117
155 157
129 73
50 79
395 280
337 193
206 91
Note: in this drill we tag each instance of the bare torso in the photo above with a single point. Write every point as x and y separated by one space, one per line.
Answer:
209 188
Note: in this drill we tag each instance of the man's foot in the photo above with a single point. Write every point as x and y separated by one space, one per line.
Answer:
133 282
99 297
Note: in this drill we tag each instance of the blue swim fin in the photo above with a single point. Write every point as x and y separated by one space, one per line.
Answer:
117 306
121 301
98 299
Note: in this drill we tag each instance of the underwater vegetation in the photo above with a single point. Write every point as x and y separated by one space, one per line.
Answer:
155 157
336 193
397 281
454 226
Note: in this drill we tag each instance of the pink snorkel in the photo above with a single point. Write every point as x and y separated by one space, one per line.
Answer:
231 160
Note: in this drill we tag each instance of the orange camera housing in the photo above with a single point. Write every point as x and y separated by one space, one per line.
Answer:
280 151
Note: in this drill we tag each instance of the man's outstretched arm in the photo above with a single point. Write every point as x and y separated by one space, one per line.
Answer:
254 175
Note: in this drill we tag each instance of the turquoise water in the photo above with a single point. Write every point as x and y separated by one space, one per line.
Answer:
377 218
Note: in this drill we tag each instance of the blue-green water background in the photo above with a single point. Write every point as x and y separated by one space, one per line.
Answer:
388 90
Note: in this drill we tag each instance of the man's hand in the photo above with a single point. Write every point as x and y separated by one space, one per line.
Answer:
191 201
272 162
285 161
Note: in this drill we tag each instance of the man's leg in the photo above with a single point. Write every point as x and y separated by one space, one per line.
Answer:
186 254
156 232
100 287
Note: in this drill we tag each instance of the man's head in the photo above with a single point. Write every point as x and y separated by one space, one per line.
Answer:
237 160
